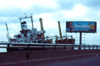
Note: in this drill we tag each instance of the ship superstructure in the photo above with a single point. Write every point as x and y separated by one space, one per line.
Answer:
28 35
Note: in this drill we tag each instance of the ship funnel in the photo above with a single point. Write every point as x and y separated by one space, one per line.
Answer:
60 33
41 24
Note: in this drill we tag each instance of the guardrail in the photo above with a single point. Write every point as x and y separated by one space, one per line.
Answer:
45 45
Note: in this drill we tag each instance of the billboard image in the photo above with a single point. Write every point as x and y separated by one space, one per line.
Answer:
81 26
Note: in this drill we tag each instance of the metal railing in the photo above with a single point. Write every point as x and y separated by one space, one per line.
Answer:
46 45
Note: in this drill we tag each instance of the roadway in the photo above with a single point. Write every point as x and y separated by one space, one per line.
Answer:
92 61
83 61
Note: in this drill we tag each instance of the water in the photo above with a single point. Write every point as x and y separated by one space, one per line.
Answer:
3 50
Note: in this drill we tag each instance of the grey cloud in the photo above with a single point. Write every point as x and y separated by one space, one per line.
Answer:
69 4
11 12
18 12
38 10
8 20
63 4
66 4
92 3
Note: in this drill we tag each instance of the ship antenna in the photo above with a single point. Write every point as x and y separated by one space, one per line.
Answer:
7 32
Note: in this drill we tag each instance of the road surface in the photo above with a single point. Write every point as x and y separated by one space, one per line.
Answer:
90 61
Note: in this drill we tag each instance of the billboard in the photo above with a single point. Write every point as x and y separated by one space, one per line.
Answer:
81 26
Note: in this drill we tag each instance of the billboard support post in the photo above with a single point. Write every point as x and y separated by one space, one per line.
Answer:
80 43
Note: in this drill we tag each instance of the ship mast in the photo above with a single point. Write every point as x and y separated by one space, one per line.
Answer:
7 32
32 21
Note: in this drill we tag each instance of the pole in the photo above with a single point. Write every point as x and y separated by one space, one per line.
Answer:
80 41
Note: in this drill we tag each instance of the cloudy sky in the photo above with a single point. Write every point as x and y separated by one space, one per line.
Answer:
51 11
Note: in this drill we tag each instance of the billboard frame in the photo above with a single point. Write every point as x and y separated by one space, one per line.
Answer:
82 31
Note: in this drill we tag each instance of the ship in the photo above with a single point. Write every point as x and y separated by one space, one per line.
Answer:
33 36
